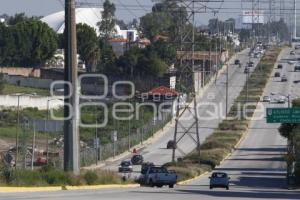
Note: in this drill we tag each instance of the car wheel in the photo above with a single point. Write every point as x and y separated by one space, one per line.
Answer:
171 186
159 186
227 188
211 187
151 183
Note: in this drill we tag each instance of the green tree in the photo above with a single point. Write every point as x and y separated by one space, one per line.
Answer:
87 44
153 24
27 43
108 22
129 61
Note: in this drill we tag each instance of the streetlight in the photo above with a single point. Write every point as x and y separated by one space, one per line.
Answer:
18 123
47 120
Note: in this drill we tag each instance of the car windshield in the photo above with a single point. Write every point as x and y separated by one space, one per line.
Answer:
126 163
219 175
158 170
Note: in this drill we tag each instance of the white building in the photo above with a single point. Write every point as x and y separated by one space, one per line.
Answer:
89 16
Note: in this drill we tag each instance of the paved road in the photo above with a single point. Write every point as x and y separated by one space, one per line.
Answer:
215 94
256 167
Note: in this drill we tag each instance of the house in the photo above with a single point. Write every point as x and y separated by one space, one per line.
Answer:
165 99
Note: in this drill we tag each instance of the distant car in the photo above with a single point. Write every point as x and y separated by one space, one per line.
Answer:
280 99
251 64
283 78
292 53
291 62
219 180
171 144
246 70
277 74
297 81
137 159
266 99
237 62
280 66
297 68
125 166
297 47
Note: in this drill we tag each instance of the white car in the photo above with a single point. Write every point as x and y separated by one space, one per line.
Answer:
266 99
291 62
158 176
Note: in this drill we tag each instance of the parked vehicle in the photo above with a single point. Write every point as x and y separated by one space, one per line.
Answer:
283 78
246 70
297 68
277 74
171 144
280 66
158 176
137 159
125 166
292 53
219 179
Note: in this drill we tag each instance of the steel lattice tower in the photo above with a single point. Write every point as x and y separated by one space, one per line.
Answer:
185 42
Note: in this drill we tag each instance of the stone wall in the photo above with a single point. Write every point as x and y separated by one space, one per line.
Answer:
21 71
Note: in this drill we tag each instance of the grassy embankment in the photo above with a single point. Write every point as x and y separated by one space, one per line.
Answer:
222 141
49 176
13 89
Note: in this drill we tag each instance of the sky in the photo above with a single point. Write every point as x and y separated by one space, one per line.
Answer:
127 9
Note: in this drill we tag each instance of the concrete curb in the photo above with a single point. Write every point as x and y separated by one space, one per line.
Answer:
192 179
96 187
61 188
29 189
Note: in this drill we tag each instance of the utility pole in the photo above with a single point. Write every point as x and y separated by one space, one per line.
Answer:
71 130
295 19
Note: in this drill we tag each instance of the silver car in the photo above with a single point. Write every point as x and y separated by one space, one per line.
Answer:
219 180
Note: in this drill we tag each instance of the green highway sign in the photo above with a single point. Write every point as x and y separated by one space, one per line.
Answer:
283 115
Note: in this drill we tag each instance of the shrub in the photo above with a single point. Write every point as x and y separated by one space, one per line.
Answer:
90 177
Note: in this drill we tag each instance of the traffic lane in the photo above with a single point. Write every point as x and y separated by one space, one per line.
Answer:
189 192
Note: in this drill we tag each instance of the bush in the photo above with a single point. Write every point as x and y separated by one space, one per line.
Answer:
90 177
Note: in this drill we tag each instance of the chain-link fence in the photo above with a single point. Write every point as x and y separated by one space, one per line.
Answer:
101 152
41 141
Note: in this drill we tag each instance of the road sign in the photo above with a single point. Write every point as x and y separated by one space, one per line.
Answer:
114 136
283 115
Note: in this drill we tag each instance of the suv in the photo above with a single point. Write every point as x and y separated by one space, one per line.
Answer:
219 179
297 68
